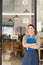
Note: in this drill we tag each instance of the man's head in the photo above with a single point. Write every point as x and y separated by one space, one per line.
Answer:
31 28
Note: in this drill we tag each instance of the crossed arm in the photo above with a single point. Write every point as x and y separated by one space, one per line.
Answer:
30 46
35 45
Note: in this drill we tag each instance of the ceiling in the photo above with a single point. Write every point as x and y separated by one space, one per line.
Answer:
16 6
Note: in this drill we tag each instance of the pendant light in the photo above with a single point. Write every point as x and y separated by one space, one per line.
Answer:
26 11
16 17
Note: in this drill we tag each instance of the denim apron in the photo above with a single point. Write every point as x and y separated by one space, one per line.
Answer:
31 55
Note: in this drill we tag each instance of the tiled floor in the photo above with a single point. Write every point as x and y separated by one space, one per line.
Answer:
12 61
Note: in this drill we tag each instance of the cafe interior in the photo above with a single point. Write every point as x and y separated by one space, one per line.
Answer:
16 15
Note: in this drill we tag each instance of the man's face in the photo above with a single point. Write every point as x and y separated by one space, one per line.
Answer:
30 29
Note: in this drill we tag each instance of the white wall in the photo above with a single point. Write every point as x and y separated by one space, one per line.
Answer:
40 14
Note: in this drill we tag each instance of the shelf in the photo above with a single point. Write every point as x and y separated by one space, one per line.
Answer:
41 49
41 60
30 14
0 48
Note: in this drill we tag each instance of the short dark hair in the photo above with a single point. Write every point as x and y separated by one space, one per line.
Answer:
31 25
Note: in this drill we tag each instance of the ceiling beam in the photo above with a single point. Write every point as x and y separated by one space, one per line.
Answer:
30 14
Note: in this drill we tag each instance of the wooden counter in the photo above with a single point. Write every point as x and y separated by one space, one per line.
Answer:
13 46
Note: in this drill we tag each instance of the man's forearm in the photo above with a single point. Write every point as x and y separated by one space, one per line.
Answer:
34 46
31 46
